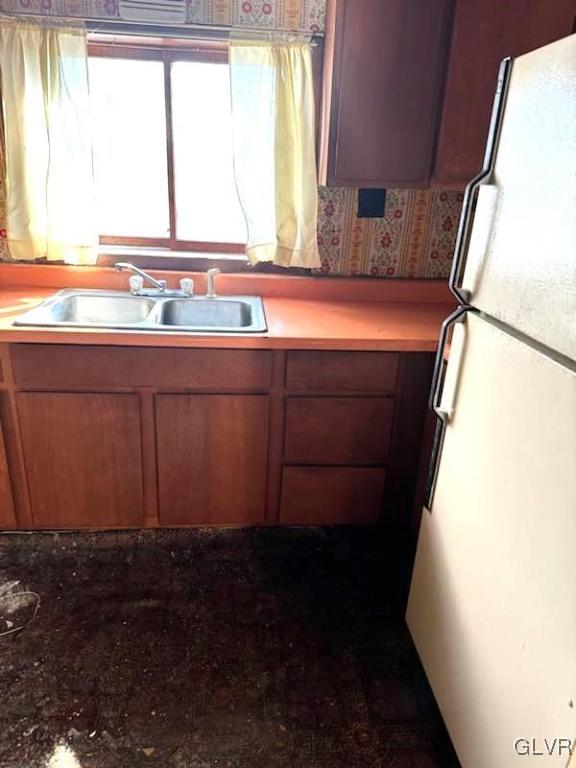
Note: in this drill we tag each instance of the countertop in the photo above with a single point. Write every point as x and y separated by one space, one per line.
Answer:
293 323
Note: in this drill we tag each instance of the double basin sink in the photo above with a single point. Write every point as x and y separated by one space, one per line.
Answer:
115 309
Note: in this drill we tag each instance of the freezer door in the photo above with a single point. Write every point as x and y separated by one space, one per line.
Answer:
521 265
492 607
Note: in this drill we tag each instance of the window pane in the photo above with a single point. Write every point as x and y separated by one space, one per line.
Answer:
130 165
207 205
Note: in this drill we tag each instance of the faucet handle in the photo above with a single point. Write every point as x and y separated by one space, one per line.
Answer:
187 286
136 284
211 282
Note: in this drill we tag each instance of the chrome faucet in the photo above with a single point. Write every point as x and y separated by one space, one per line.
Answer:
137 284
211 282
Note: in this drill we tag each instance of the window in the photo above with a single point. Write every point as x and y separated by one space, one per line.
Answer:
163 147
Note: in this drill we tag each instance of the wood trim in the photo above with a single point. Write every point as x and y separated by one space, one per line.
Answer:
13 444
413 385
173 262
135 242
276 424
426 447
170 148
172 245
158 49
149 457
196 245
7 511
324 116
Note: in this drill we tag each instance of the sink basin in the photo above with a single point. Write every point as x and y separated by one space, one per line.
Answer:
89 310
208 313
116 309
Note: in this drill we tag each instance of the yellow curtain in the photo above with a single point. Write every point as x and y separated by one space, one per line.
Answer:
274 149
48 153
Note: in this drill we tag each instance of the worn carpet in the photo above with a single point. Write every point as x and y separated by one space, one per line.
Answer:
270 648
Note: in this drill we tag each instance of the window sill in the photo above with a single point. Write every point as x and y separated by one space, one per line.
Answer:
192 261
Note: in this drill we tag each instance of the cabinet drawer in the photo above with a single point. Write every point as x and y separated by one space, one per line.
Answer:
338 430
331 495
342 371
57 366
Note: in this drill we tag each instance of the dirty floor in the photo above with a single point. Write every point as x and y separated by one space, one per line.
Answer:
203 649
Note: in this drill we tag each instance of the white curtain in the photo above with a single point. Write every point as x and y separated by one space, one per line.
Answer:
48 151
274 149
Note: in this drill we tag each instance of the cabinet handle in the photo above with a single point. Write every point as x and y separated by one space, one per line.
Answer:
471 193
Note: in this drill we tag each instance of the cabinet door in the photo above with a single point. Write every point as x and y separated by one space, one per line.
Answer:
212 457
484 33
83 459
7 518
388 67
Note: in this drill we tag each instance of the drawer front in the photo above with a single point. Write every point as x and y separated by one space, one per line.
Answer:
60 366
331 495
342 371
338 430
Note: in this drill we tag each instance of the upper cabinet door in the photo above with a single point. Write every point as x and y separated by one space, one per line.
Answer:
484 33
385 62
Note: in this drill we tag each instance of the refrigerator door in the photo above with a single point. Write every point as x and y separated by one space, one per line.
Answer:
521 265
492 607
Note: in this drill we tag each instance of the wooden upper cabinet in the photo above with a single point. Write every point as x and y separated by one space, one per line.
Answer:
485 32
384 73
83 459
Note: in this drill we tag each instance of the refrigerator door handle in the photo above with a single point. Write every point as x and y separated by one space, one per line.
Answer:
435 401
471 193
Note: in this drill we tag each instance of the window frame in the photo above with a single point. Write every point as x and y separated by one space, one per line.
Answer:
166 51
157 253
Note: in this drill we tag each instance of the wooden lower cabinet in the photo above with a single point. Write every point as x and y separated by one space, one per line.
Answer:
212 458
331 495
101 437
7 517
338 430
82 453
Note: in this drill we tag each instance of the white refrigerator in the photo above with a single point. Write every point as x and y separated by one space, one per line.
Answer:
492 606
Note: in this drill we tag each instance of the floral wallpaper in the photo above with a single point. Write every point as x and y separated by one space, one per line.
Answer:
308 15
415 238
298 15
